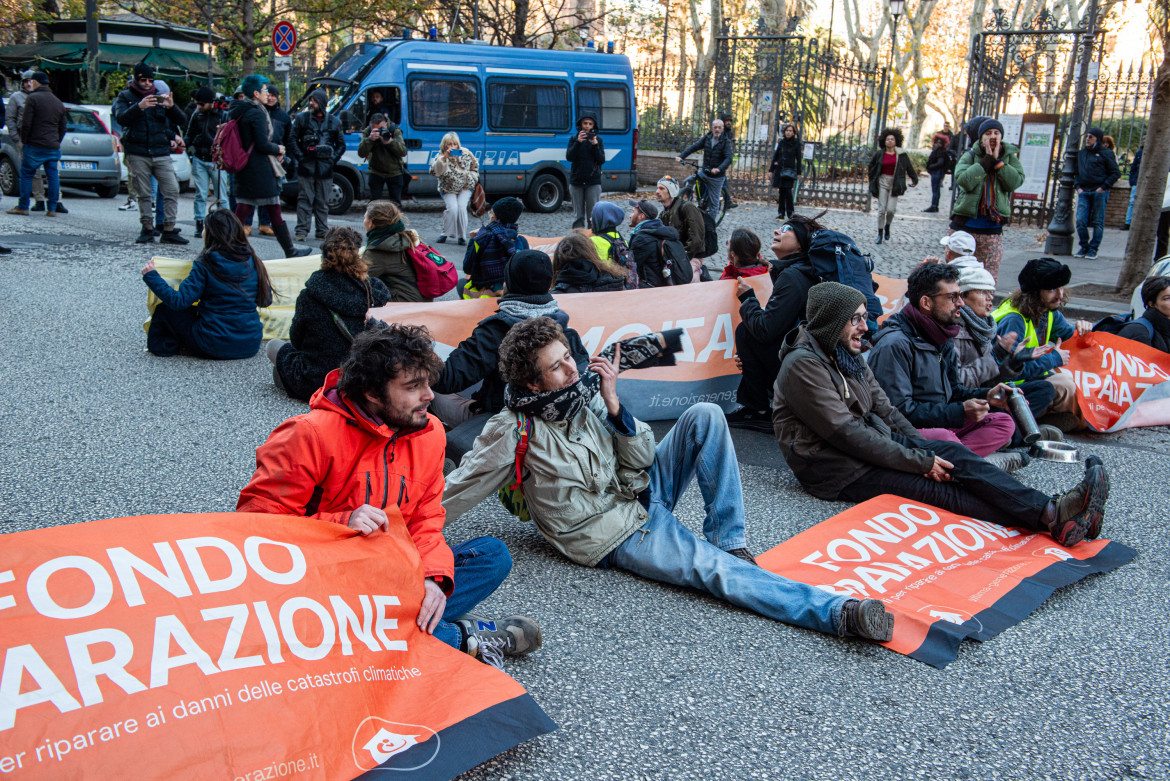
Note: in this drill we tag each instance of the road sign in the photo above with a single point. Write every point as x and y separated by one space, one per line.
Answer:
284 38
281 63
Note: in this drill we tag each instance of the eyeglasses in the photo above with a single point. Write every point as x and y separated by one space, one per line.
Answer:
856 320
955 297
783 229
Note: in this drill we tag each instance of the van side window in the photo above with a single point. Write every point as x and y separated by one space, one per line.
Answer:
444 103
517 105
611 106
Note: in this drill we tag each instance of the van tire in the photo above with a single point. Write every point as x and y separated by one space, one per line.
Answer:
545 194
340 197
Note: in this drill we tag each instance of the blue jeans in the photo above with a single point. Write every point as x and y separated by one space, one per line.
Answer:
712 193
480 567
32 158
700 446
1091 213
204 173
1129 210
160 212
936 180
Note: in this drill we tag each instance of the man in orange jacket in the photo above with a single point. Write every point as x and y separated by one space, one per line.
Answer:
367 455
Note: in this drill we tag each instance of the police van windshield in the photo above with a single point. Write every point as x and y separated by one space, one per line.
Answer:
344 71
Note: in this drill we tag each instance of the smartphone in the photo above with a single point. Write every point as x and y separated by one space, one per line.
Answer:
456 152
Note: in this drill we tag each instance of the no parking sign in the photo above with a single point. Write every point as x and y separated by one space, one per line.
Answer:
284 38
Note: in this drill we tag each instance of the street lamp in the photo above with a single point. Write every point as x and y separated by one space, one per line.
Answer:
895 8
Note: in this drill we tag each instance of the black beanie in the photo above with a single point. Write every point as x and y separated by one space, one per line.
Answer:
830 305
990 124
1096 133
204 94
528 273
508 209
143 71
1044 274
972 128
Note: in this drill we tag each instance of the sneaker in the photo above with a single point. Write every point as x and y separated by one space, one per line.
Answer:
128 206
1050 433
781 217
867 618
1080 510
39 206
1091 254
1094 530
745 554
173 237
17 210
1009 460
146 237
301 237
266 230
1080 253
61 208
462 242
731 206
490 640
751 420
441 240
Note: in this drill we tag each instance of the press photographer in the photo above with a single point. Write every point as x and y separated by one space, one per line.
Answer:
320 138
383 147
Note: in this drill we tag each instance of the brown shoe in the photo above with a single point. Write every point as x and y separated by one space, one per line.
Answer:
17 210
50 214
266 230
247 230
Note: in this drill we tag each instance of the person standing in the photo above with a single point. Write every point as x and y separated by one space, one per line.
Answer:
1096 172
456 172
42 126
1134 169
318 136
383 147
987 174
586 155
786 169
937 166
200 136
12 115
718 152
282 135
888 169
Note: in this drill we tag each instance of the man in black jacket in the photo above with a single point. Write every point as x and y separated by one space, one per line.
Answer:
527 280
42 126
717 154
319 137
586 155
150 130
200 136
1096 172
646 247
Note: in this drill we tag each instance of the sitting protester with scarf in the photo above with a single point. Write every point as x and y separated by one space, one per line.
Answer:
387 250
987 174
602 494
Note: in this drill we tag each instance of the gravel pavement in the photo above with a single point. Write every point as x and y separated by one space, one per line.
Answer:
646 681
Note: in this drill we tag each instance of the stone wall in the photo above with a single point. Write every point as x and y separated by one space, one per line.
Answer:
654 165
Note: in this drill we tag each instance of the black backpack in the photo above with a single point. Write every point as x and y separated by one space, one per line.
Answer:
710 236
619 253
676 266
1114 323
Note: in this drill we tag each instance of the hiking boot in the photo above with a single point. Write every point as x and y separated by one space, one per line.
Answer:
1009 460
266 230
145 237
157 230
61 208
490 640
867 618
745 554
172 237
731 205
751 420
17 210
880 236
1050 433
1072 515
39 206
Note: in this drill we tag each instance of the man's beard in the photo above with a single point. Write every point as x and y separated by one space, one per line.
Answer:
396 417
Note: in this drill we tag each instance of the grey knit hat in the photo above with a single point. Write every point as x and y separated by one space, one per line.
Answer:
830 305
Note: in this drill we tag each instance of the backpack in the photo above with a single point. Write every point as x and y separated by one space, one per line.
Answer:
436 275
710 236
1114 323
676 266
620 253
227 150
836 258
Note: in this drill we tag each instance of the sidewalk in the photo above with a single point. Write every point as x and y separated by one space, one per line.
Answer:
1101 271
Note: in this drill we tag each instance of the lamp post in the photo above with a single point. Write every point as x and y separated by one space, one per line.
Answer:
895 8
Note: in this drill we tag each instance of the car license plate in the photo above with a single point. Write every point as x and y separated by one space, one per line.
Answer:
72 164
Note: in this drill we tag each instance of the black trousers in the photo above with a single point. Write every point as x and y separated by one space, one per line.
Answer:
170 331
784 202
761 364
393 188
978 489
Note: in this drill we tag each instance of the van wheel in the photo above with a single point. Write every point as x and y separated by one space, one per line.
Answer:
9 178
340 196
546 194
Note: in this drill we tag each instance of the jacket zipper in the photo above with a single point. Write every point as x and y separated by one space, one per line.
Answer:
402 490
367 488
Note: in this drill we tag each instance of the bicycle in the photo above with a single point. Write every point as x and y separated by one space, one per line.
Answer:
693 187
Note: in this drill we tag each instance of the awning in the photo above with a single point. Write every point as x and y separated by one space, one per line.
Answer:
111 57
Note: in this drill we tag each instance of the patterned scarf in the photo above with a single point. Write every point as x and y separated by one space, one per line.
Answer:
524 307
852 366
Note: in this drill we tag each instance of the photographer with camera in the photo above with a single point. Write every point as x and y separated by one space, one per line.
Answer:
383 147
586 155
321 141
200 136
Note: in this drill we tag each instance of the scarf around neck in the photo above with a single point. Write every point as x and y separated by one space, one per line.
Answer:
930 329
982 329
379 234
852 366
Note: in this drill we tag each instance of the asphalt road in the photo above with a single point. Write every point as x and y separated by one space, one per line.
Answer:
645 681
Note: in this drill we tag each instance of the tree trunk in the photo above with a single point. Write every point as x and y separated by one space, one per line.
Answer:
1151 184
520 24
248 54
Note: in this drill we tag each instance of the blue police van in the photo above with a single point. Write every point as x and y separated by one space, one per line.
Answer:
515 109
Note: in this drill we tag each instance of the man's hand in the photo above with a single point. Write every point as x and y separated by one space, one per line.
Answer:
741 287
149 267
593 139
1008 341
281 148
1083 327
1064 354
433 604
678 159
999 395
1042 350
974 410
1100 189
738 362
608 370
148 102
1080 191
938 472
168 99
715 171
367 519
581 135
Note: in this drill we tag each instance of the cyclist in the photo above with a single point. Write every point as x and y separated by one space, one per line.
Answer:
717 152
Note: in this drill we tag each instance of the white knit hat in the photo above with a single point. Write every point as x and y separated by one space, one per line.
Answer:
975 278
671 185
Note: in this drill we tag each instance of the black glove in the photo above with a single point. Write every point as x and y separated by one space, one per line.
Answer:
988 162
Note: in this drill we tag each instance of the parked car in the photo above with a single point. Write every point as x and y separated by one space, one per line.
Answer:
89 155
180 161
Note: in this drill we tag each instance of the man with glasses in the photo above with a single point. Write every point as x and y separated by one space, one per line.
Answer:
150 131
915 361
845 441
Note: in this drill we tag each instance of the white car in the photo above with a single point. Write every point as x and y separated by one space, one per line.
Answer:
180 161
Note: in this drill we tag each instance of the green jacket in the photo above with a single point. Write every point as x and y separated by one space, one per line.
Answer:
581 479
385 158
970 176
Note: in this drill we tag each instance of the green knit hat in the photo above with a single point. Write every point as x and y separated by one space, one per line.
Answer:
830 305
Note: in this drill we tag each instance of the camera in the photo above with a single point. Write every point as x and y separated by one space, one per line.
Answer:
590 135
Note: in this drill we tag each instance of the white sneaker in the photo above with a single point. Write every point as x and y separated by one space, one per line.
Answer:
127 206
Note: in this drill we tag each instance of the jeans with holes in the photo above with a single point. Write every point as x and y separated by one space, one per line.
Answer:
1091 214
699 446
480 567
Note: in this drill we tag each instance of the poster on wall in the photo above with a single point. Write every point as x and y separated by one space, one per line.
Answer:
1036 145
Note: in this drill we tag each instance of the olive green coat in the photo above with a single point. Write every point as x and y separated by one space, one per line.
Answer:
970 176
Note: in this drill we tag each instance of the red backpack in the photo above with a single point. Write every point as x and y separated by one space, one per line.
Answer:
436 275
227 151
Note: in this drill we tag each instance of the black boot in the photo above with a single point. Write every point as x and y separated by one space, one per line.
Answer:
286 242
866 618
887 233
199 228
172 237
880 234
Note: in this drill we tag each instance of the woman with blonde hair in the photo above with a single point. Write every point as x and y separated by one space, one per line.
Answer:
457 172
330 312
388 245
577 268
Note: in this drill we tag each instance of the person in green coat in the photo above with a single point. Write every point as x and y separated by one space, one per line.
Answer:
987 174
383 147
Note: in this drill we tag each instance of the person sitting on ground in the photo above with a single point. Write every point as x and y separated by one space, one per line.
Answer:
743 256
578 269
491 247
845 441
684 216
647 244
387 250
602 494
527 280
229 281
330 312
1033 309
311 466
959 244
610 245
1156 297
915 361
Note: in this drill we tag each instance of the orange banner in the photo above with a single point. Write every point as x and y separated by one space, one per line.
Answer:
237 646
1120 383
945 577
